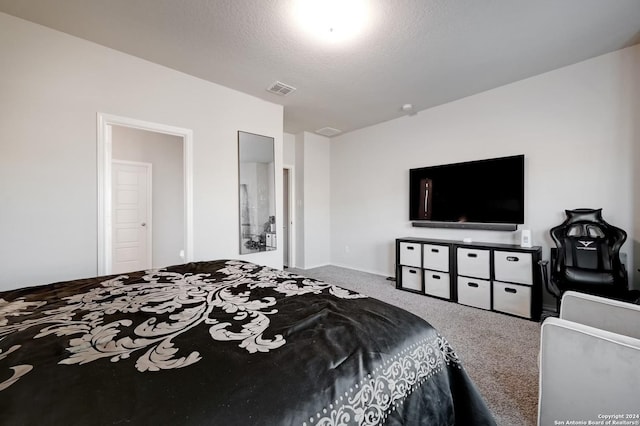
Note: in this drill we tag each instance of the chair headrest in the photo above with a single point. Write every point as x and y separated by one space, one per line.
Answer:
590 230
584 215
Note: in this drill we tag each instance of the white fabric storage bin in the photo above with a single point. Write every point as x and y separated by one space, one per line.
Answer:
435 257
411 278
473 262
437 284
512 299
474 292
411 254
513 267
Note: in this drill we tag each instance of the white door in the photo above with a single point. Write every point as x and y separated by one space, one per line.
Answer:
131 216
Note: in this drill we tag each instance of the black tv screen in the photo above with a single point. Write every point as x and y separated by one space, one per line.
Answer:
484 191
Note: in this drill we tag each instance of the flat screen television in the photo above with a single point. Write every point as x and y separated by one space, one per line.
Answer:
487 191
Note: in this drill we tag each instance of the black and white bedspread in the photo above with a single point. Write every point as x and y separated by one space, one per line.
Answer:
223 343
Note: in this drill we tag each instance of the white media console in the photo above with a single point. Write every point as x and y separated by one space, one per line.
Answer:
504 278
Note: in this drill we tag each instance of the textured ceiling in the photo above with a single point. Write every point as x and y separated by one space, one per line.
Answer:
423 52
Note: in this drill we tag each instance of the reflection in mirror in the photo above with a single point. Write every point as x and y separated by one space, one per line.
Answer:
257 196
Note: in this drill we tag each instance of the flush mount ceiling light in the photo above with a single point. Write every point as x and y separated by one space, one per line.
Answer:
332 20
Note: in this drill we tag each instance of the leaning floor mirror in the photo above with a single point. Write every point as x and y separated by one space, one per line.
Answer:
256 172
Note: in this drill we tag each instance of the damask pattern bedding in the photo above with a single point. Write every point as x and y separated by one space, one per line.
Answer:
223 343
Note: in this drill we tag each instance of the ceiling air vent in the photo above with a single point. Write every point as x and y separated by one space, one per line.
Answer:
279 88
328 131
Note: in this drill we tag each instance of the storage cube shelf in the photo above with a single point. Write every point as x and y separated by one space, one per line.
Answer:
499 277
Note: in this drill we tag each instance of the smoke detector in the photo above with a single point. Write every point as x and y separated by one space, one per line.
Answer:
328 131
279 88
408 109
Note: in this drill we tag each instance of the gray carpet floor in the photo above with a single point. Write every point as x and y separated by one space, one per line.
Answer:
499 352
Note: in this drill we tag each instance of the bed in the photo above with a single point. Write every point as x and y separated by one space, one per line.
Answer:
224 342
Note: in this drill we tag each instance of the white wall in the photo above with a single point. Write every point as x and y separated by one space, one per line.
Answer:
51 88
312 211
289 149
299 203
317 200
289 161
165 153
577 127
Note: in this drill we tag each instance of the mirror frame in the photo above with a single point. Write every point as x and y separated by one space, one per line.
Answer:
257 227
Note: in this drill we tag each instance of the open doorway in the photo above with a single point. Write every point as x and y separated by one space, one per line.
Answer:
146 208
163 228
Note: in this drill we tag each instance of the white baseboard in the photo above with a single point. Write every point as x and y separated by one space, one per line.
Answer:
313 267
381 274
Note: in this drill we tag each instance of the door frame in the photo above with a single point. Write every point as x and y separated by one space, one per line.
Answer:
149 201
104 158
291 235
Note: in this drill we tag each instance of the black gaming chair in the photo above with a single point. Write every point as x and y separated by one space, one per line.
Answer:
587 257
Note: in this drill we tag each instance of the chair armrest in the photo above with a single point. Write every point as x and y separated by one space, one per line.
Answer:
600 312
586 372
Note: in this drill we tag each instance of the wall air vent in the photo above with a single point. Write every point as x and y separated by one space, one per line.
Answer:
280 88
328 131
